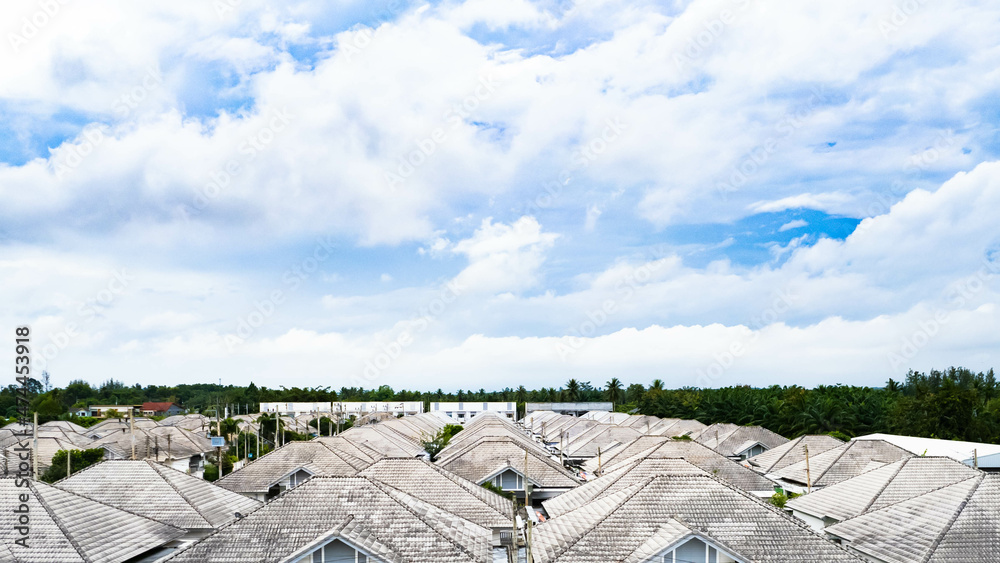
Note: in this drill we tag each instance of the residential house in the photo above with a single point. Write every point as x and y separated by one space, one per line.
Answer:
875 489
571 409
339 519
64 527
509 465
447 491
973 454
791 453
288 467
738 442
838 464
160 493
674 518
703 457
161 409
463 412
958 523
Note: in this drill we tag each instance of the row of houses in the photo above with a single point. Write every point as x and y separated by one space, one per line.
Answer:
600 488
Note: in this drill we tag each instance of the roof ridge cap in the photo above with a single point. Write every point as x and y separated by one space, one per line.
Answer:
462 548
639 486
834 462
795 442
179 493
886 484
951 522
58 521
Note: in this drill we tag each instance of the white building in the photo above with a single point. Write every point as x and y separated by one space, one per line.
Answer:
346 408
465 411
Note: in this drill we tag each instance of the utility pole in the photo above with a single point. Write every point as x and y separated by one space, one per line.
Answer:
131 429
975 459
527 507
598 461
69 457
218 430
808 477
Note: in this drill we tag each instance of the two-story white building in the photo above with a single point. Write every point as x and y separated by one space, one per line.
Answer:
466 411
345 408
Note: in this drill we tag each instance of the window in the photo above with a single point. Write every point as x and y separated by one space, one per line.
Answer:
509 481
336 552
694 551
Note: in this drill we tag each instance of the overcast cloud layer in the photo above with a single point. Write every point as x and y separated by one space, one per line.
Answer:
501 192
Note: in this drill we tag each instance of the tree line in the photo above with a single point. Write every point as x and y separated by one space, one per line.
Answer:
955 403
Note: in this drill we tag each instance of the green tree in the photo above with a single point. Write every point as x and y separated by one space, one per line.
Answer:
78 459
613 390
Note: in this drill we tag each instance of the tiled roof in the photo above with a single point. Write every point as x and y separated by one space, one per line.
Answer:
69 528
895 482
489 456
47 449
260 475
621 478
954 524
152 443
158 492
383 439
792 452
444 490
390 523
705 458
843 462
586 444
732 440
636 519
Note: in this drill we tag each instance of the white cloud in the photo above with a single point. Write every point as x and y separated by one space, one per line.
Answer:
795 224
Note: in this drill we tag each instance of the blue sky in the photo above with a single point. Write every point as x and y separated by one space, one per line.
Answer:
501 192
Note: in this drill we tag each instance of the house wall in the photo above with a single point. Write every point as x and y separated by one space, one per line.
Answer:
815 523
466 411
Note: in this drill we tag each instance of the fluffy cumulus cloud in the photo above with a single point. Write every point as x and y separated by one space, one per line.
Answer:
710 192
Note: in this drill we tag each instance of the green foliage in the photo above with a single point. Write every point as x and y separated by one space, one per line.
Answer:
955 404
78 459
778 499
489 486
434 444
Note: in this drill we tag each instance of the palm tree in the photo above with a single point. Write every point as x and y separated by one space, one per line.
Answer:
572 392
613 390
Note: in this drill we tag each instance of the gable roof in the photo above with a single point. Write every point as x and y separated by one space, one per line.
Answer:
843 462
158 492
732 440
895 482
703 457
159 407
262 474
485 458
385 521
444 490
621 478
953 524
617 526
68 528
792 452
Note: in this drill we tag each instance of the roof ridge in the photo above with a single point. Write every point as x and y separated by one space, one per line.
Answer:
58 522
178 491
639 486
834 462
787 451
951 521
379 485
462 482
886 484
